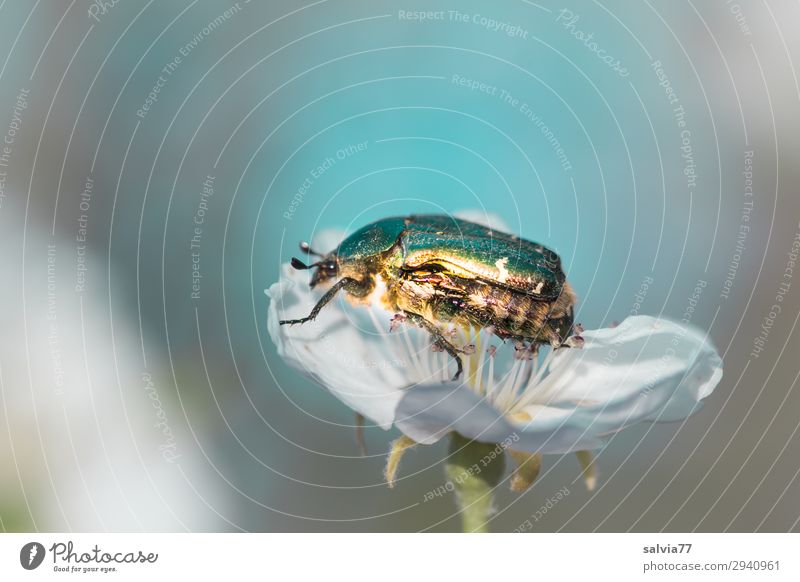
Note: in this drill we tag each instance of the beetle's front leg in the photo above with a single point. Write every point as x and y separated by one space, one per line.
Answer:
348 283
439 340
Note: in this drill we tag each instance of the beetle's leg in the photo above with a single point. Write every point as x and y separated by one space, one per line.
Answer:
347 283
453 351
439 340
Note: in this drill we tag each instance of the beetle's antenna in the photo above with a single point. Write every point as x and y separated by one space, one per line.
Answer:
301 266
306 248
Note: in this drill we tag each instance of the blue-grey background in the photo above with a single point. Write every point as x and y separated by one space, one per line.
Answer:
567 150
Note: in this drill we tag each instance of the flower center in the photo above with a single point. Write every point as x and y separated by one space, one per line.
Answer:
508 374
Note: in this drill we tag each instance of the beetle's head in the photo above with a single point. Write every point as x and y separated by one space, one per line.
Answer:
327 267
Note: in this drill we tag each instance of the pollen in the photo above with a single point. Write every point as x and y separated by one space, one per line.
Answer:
520 416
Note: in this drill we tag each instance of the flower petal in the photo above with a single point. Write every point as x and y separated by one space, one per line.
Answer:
426 413
327 239
646 369
339 349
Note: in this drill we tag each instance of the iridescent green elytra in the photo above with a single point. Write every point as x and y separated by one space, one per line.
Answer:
436 269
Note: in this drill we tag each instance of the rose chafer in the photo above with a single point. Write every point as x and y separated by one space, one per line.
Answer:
436 269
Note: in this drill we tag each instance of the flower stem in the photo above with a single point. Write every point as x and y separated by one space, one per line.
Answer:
474 469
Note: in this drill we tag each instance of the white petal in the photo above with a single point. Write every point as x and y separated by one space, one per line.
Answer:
326 240
339 349
646 369
428 412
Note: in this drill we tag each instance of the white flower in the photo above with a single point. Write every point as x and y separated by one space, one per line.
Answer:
559 401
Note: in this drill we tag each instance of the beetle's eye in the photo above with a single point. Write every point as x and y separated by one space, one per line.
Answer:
331 267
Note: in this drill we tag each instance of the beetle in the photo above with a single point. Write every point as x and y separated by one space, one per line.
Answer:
438 269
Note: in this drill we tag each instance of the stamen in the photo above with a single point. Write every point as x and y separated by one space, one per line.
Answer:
418 356
505 396
535 389
388 340
532 365
480 379
426 357
490 381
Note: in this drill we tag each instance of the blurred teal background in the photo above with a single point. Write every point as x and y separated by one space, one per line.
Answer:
153 102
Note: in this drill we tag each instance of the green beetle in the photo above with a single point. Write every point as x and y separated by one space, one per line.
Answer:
438 269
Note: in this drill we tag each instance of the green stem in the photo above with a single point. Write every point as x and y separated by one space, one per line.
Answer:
474 469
